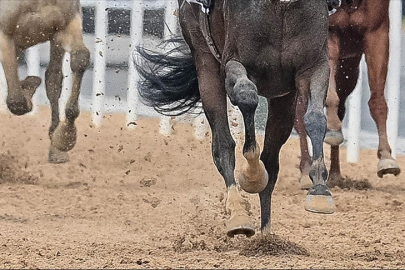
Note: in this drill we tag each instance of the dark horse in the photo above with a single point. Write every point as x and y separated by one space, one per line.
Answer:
358 27
25 23
258 47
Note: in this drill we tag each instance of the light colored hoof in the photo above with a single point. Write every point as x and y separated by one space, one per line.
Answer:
319 200
253 186
334 137
240 224
320 204
64 137
388 166
305 182
56 156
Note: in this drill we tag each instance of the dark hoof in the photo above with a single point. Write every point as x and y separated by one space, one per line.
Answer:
18 106
388 166
334 137
319 200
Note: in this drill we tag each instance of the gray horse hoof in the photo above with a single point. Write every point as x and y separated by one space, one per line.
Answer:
56 156
388 166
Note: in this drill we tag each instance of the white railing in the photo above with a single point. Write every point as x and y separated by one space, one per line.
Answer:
132 103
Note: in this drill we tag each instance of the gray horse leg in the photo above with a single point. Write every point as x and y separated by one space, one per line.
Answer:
243 93
319 199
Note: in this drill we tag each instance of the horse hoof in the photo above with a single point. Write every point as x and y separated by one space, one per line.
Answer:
253 186
57 157
240 225
19 106
305 182
334 137
64 137
388 166
319 200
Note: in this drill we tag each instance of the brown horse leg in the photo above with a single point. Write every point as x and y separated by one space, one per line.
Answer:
347 74
377 46
64 136
213 96
53 82
19 93
334 135
319 199
243 93
306 161
278 129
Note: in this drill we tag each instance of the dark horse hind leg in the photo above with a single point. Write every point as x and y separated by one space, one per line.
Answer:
63 134
278 129
319 199
243 93
19 92
214 102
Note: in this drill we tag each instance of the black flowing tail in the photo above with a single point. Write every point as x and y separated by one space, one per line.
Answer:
168 80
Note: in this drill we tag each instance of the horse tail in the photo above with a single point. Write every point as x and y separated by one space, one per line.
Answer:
169 81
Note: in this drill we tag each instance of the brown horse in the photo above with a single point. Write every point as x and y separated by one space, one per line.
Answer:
24 23
358 27
257 47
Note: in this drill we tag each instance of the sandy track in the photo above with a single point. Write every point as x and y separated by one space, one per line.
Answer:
136 199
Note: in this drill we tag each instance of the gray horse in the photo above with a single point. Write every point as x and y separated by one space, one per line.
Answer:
24 23
271 48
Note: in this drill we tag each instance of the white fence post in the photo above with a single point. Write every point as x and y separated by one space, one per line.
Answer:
99 71
170 28
33 69
394 73
354 125
133 76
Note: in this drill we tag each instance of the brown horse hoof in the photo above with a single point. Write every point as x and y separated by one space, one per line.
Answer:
253 186
56 156
240 224
64 137
388 166
334 137
305 182
319 200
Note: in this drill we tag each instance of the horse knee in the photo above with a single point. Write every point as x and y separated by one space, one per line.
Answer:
80 60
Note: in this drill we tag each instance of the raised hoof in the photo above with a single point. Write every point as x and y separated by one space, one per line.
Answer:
319 200
305 182
240 225
334 137
253 186
19 106
388 166
57 157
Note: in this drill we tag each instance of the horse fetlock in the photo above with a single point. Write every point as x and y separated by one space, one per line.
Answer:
334 137
318 172
72 112
80 60
64 136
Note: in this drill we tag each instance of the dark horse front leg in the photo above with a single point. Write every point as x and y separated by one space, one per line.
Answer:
213 98
243 93
278 129
319 198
